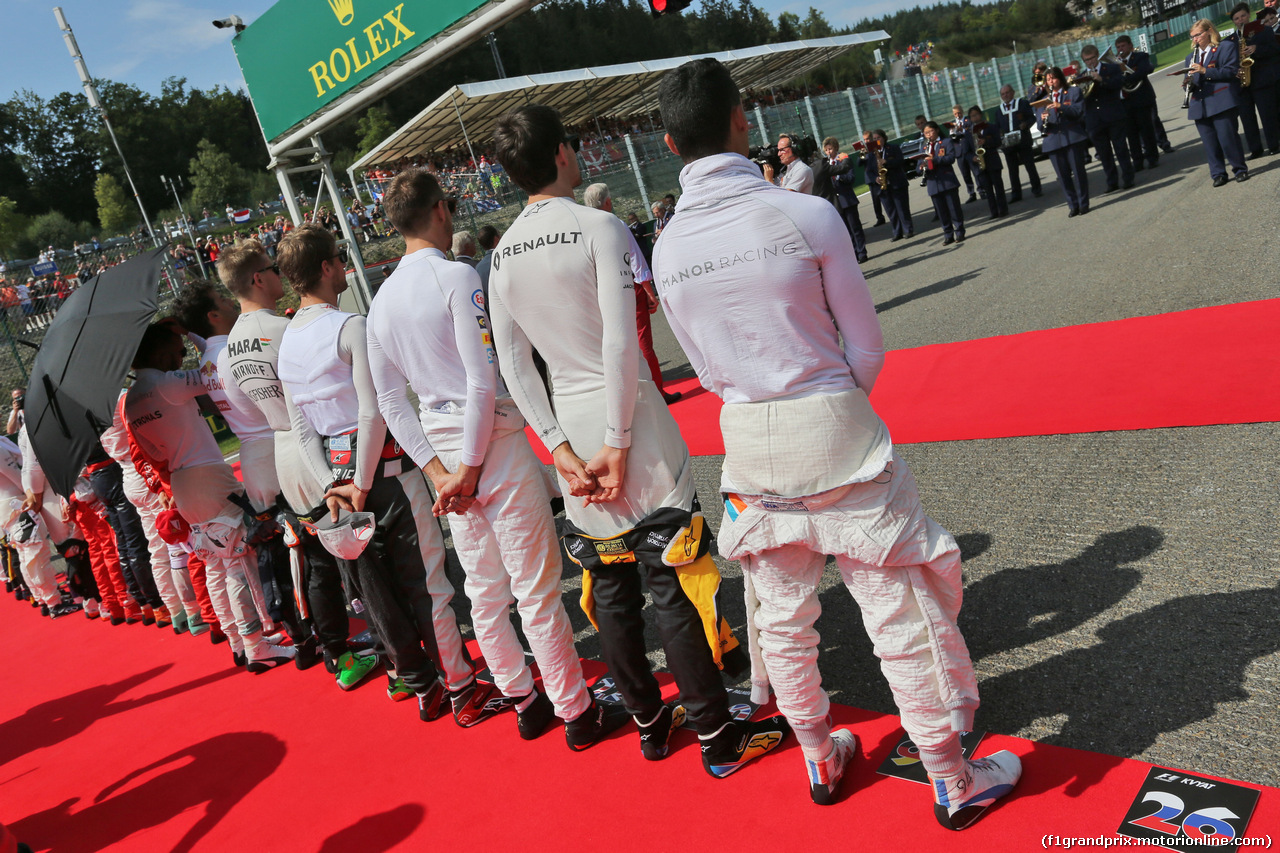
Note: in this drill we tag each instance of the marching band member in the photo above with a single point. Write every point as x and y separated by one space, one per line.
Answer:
836 170
987 168
1140 101
869 177
1105 118
1062 123
961 130
1016 115
1214 102
896 202
1039 88
1258 99
944 186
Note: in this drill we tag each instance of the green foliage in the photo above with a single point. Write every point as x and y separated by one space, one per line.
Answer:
55 229
215 180
13 227
116 210
373 127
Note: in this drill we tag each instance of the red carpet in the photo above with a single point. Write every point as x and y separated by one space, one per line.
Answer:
1205 366
132 739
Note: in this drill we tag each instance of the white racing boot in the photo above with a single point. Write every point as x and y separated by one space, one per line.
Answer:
960 800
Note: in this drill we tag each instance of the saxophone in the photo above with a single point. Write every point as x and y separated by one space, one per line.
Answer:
1246 62
982 159
882 179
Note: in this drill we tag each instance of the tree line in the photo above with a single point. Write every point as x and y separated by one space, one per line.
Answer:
61 180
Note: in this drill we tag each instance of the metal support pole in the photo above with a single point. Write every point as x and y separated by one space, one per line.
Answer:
362 292
91 93
764 132
591 104
635 169
951 86
461 124
853 108
977 90
924 98
893 108
497 57
995 71
813 119
187 222
286 189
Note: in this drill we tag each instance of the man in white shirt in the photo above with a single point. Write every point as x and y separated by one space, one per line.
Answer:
426 330
248 365
324 365
780 324
598 196
562 283
798 177
167 425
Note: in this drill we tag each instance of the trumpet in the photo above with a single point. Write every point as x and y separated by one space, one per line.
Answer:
1037 79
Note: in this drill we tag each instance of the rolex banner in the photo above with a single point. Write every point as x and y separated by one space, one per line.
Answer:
301 55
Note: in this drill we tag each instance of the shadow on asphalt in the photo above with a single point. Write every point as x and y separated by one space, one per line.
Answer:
928 290
1016 607
1154 672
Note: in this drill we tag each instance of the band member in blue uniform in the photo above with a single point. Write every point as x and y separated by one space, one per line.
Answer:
1106 119
1140 102
944 186
1215 102
897 205
834 178
988 169
1039 88
961 132
1016 115
869 178
1062 123
1258 99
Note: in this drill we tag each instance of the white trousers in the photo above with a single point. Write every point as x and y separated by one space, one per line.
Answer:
902 569
34 556
217 536
507 545
172 581
456 665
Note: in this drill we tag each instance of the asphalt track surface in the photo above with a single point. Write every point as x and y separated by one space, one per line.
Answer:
1120 588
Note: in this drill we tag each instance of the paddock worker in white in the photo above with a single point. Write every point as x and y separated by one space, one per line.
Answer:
427 328
761 285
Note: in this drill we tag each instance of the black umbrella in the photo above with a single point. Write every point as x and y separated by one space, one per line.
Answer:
82 364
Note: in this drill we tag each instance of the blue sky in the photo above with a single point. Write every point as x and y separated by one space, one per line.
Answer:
144 41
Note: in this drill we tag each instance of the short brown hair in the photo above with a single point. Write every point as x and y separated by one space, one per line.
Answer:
831 142
409 200
238 264
526 141
302 254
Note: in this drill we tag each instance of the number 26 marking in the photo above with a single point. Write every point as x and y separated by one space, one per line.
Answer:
1205 823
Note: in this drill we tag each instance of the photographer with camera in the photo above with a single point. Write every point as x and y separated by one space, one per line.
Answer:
16 418
797 176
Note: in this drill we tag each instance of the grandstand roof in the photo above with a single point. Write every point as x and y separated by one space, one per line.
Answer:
583 93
